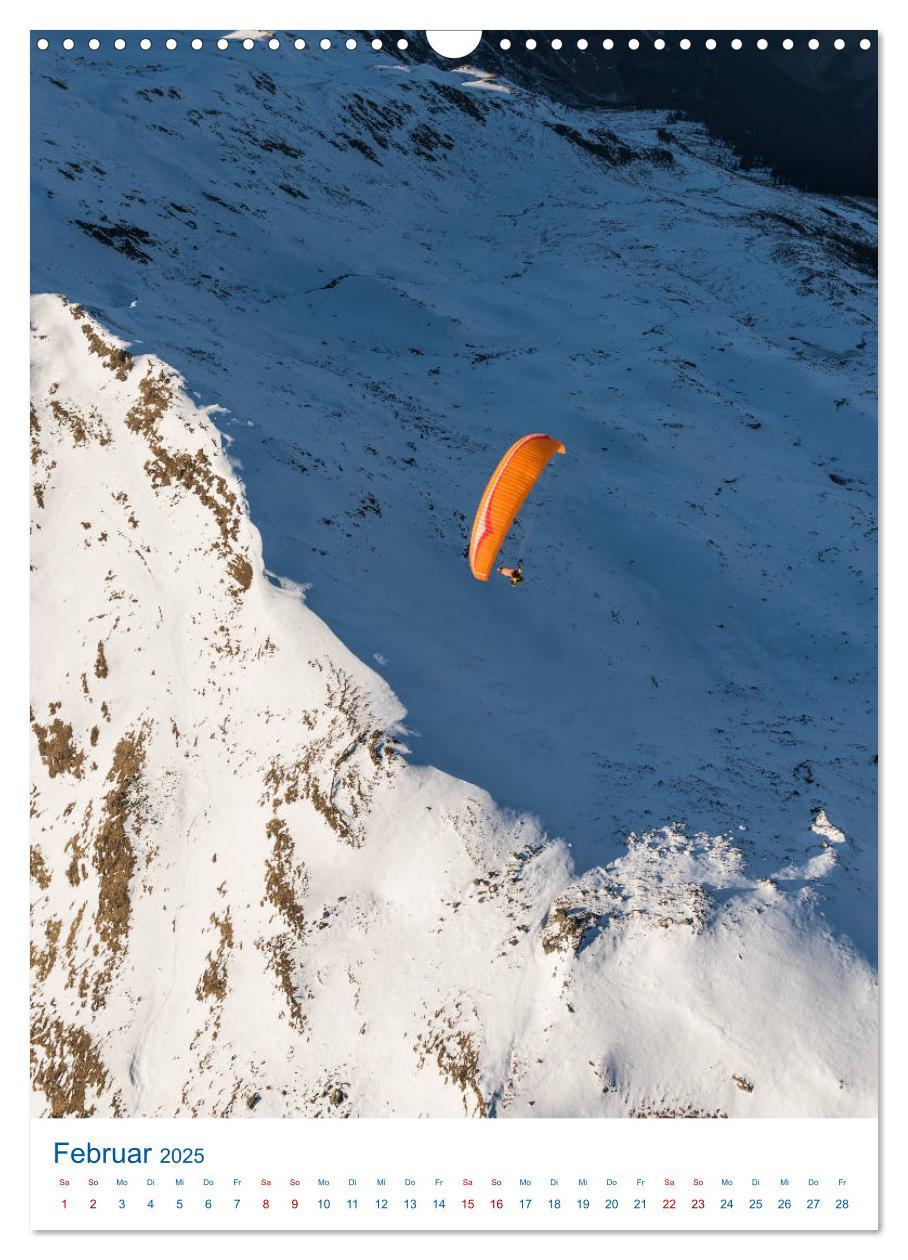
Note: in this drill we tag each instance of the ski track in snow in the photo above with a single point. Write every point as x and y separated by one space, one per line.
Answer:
688 664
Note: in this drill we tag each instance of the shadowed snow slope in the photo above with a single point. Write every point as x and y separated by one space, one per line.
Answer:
248 900
383 274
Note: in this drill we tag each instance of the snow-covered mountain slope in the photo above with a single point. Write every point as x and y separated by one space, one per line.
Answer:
384 273
248 898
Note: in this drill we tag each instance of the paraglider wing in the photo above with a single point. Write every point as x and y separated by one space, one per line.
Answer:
518 471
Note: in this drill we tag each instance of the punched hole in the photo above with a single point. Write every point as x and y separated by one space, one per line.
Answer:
453 44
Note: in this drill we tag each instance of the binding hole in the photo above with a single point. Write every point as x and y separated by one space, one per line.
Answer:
453 44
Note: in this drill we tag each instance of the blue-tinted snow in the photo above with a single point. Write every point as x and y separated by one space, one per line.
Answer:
384 277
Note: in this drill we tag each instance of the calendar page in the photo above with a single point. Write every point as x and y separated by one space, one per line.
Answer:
453 570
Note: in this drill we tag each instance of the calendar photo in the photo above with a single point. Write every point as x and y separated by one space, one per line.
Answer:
453 577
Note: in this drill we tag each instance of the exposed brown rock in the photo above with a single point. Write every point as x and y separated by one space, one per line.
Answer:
100 662
57 750
113 855
38 868
66 1067
118 361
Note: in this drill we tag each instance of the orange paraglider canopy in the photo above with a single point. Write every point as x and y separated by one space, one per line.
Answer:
518 471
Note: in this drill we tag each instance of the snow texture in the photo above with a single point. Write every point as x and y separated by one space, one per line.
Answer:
641 879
